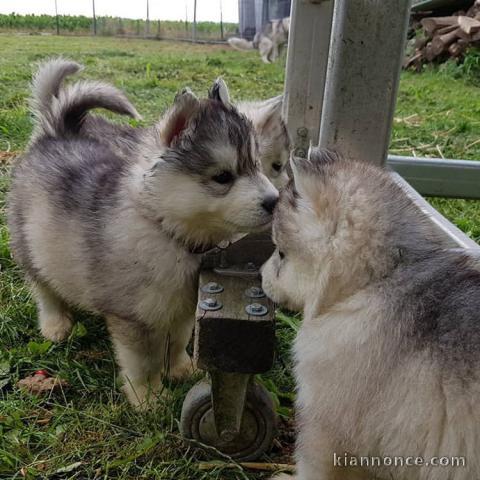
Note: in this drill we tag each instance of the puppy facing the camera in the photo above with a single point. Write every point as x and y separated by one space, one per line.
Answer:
388 354
272 136
113 219
265 115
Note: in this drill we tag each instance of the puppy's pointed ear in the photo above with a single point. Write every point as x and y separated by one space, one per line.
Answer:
309 173
219 91
319 158
270 115
177 117
300 178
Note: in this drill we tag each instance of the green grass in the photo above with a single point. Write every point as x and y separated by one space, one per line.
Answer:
88 427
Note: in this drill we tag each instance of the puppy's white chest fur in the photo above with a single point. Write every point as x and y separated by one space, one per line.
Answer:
159 270
331 350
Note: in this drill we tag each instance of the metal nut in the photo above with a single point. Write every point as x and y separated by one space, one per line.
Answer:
210 304
302 132
212 287
256 309
255 292
301 152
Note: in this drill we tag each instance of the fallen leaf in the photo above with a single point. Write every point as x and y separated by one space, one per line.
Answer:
7 157
40 383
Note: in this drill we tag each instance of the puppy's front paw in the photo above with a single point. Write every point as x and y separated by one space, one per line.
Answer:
182 368
56 327
142 397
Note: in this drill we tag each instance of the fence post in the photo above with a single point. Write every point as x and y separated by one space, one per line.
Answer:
158 29
56 18
94 18
147 25
221 22
194 20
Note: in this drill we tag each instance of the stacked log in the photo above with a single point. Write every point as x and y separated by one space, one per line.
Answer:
445 37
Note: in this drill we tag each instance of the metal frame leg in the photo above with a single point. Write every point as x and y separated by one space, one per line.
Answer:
366 51
307 59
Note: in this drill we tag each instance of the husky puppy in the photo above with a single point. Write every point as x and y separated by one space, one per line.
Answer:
116 225
388 354
269 42
272 136
266 116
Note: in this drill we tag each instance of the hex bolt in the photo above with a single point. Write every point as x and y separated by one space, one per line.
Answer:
210 304
302 132
300 152
212 287
255 292
256 309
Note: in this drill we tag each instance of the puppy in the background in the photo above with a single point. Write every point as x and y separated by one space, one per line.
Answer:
113 219
388 353
269 42
272 136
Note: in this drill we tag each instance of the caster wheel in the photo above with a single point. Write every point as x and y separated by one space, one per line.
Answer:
256 432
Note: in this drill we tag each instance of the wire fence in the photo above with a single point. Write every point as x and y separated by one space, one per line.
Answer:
184 30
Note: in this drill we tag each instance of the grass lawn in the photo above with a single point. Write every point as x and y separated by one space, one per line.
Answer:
88 430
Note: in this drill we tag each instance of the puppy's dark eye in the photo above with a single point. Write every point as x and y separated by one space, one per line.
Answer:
223 178
277 166
281 255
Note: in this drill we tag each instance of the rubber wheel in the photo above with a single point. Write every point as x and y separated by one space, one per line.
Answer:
258 424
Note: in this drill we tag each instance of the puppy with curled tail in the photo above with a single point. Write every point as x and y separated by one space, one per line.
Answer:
113 219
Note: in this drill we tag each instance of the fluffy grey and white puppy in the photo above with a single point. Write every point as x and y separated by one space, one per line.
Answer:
388 354
272 136
265 115
112 219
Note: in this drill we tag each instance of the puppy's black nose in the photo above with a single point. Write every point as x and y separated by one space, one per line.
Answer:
269 203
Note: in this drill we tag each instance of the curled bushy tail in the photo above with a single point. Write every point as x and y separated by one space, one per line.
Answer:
60 109
240 43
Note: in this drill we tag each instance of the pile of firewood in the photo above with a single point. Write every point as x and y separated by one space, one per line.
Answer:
445 37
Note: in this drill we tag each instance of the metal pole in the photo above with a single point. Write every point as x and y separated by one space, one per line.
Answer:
258 15
438 177
307 59
186 19
221 22
94 18
366 53
453 237
194 20
56 18
147 25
